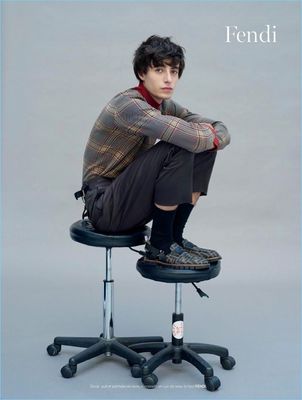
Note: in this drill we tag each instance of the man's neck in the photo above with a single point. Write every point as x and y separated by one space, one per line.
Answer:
150 100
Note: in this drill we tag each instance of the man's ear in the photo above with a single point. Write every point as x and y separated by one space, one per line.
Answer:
141 77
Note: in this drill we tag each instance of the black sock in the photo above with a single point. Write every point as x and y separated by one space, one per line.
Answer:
181 217
162 229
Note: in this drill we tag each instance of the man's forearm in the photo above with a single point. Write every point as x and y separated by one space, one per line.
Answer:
222 136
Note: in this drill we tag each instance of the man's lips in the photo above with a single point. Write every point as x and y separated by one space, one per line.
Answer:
167 88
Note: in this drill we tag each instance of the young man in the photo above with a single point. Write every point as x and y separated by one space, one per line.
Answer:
128 180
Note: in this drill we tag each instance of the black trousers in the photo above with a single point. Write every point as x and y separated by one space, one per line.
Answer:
165 174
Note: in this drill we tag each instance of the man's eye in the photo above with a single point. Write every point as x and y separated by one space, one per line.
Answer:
175 72
158 70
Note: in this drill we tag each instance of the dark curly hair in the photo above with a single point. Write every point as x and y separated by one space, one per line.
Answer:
154 51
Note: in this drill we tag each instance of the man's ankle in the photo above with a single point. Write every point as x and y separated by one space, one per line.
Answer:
153 252
159 245
178 240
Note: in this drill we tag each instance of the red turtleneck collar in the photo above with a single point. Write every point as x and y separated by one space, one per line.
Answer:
144 92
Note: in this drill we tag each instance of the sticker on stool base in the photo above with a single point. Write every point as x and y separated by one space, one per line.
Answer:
178 329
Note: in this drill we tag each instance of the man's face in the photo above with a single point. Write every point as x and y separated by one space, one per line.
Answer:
160 81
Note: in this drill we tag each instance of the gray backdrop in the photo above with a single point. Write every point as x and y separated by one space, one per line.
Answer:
62 61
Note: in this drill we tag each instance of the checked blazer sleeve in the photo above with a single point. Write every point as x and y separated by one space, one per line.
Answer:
137 117
220 130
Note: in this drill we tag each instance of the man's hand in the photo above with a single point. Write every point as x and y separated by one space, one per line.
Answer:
222 135
216 140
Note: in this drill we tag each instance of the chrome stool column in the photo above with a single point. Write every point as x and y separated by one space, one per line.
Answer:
108 299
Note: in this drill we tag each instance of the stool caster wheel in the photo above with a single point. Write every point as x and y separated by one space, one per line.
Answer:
136 370
53 349
68 371
212 383
227 362
150 381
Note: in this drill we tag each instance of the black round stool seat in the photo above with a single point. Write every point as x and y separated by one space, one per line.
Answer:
82 231
172 275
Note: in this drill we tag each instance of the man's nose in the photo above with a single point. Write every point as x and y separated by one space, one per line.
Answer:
168 76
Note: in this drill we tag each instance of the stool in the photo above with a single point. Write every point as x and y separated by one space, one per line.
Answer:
83 232
177 350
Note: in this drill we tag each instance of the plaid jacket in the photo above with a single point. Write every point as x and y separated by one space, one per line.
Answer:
128 125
